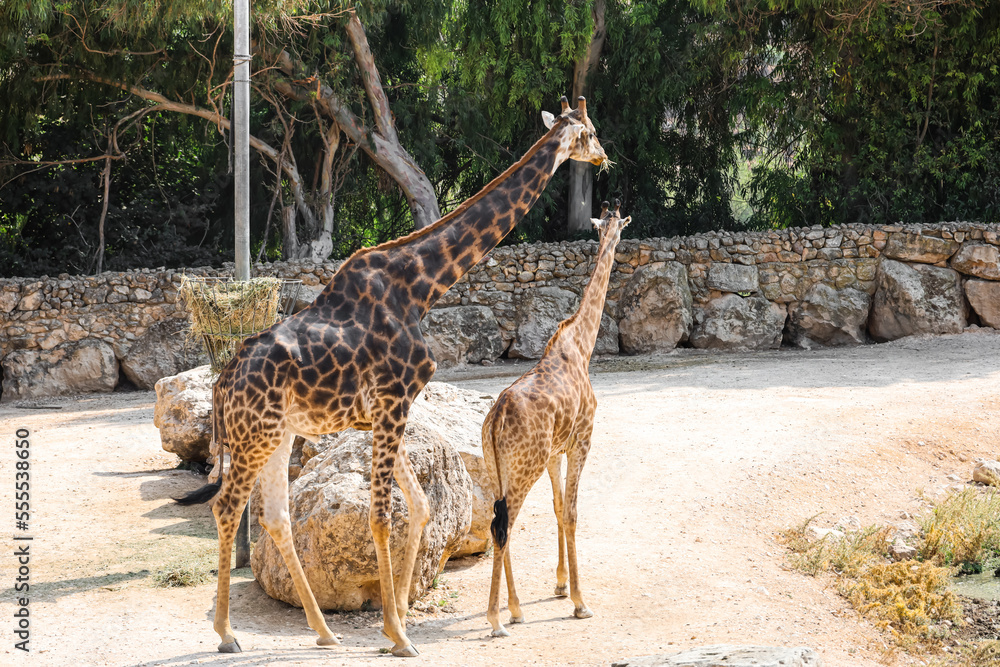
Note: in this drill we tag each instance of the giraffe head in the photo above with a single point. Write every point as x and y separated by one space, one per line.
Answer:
610 225
577 136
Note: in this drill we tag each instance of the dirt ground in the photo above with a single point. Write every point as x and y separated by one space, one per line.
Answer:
699 460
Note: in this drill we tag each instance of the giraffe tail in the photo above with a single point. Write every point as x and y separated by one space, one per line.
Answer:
492 430
210 490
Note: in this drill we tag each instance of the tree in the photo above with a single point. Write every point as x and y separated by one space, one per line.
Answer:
175 62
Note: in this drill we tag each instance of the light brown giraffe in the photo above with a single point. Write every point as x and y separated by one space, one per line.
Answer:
546 413
356 359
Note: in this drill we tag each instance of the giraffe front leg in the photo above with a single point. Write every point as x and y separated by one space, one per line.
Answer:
555 475
574 466
275 520
419 512
384 445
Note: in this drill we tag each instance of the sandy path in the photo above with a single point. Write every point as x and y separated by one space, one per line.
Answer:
698 461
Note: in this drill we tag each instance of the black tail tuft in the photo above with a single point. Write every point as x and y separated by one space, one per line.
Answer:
499 526
204 494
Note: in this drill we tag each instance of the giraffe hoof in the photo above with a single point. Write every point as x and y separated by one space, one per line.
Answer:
230 647
500 632
562 591
408 651
516 619
583 612
327 641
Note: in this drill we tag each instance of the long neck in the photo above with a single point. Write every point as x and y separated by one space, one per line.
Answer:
579 332
433 259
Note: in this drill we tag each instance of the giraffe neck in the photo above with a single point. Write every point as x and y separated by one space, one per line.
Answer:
579 332
429 261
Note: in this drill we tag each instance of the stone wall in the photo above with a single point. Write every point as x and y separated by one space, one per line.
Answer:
804 286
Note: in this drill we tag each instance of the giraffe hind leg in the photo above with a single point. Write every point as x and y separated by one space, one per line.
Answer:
562 572
275 520
227 510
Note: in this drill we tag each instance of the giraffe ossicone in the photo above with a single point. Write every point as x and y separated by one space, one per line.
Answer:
356 358
548 414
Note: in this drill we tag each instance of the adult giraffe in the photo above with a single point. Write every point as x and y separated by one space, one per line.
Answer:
356 359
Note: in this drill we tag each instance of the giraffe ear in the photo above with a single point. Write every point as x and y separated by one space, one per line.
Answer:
596 223
626 221
548 119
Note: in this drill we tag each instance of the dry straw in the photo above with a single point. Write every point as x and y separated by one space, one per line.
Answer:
225 312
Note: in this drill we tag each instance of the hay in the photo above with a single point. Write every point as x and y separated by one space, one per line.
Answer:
224 313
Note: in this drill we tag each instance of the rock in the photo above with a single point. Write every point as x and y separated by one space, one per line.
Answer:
183 413
827 316
725 655
538 316
462 334
31 300
814 533
607 336
731 322
981 260
918 248
329 505
9 301
165 349
915 299
900 550
986 472
984 297
732 277
848 524
70 368
306 295
458 415
654 309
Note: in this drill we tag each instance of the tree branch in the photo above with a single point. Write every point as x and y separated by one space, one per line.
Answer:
369 74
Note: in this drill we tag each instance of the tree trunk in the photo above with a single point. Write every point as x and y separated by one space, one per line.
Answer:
581 174
290 243
106 177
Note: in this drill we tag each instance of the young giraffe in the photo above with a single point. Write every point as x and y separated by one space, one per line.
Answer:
356 359
547 412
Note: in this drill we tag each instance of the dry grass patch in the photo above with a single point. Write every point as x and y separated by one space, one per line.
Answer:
962 529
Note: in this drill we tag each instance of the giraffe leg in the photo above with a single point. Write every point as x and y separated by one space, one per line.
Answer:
493 608
227 509
501 563
575 459
416 501
275 520
555 475
386 437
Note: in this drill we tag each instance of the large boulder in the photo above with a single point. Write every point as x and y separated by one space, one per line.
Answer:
726 277
607 336
731 322
538 316
329 503
828 316
981 260
984 297
183 413
462 334
908 247
728 655
84 366
917 299
654 309
165 349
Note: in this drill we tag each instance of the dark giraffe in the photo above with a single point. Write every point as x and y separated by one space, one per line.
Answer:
356 359
548 412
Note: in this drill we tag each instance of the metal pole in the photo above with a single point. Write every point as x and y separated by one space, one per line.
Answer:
241 136
241 146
